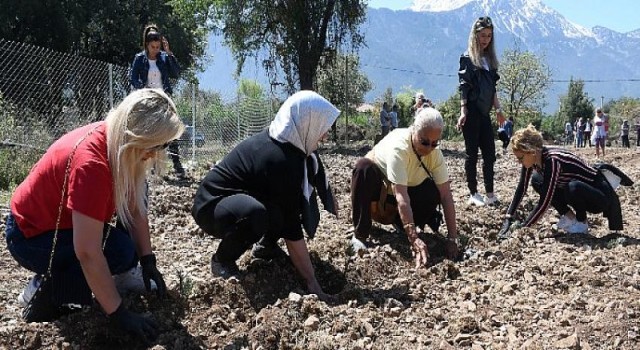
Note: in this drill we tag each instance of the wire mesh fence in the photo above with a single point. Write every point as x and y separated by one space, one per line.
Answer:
45 94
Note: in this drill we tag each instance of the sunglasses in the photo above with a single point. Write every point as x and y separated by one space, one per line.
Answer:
483 22
159 147
427 143
153 36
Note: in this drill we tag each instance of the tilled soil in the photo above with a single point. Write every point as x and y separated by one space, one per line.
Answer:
537 290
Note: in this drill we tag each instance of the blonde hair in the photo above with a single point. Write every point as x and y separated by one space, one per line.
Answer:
144 120
527 140
474 49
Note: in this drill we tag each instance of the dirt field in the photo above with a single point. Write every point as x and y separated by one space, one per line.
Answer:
529 292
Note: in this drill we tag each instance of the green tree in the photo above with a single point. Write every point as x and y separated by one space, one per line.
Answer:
342 79
575 104
524 79
250 89
106 30
296 34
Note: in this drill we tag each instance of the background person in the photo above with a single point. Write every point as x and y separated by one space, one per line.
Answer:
478 75
107 160
385 119
588 127
244 198
154 67
394 117
599 134
408 159
564 181
625 134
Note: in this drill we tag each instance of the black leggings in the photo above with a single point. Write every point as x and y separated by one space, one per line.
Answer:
478 133
240 221
581 196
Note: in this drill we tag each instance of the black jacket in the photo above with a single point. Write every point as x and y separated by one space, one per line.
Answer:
477 85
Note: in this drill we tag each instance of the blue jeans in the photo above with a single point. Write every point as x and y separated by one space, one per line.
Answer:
69 283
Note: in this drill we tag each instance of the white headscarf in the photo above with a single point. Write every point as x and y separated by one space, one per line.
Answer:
303 119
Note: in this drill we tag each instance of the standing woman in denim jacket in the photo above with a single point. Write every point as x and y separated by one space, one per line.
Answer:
152 68
478 75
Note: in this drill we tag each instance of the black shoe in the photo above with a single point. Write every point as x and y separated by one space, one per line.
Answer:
41 307
225 270
267 250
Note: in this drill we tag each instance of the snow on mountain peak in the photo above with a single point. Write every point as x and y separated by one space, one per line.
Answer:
438 5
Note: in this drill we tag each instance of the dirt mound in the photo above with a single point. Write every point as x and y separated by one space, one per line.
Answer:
531 291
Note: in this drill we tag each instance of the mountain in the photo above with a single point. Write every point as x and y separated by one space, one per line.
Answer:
420 48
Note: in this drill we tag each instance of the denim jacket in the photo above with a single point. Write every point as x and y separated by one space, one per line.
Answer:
167 64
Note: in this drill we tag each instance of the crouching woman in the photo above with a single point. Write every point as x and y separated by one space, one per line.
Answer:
259 190
564 181
58 226
407 169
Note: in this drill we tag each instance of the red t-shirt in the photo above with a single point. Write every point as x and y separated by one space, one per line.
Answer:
36 201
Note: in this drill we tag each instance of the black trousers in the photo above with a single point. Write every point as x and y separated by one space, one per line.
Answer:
478 134
579 195
174 154
366 183
240 221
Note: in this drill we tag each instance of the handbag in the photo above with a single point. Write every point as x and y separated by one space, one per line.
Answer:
385 209
47 310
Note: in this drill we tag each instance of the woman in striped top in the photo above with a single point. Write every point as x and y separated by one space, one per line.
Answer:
564 181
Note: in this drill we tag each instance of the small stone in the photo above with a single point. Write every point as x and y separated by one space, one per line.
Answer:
295 297
312 323
570 342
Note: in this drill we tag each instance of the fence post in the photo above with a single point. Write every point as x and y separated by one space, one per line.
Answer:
194 87
110 85
238 118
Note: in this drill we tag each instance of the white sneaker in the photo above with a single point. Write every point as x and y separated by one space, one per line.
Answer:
491 200
564 223
131 281
29 290
578 227
357 245
476 199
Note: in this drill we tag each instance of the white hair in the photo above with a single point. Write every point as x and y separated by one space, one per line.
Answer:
428 118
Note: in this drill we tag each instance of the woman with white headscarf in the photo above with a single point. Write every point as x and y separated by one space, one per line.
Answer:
264 189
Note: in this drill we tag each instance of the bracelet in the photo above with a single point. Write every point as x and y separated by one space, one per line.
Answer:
409 225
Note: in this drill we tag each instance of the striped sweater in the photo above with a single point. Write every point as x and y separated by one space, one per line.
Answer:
559 167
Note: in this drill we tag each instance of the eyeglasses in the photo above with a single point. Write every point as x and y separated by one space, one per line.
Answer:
483 22
427 143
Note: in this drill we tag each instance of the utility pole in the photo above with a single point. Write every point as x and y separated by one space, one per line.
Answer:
601 102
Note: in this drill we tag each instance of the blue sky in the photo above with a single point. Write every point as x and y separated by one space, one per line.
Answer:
619 15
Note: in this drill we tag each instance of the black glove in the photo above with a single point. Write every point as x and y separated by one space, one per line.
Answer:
143 327
504 231
150 272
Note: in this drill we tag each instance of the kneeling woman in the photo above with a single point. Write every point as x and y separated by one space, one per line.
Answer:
260 187
563 181
58 226
409 162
